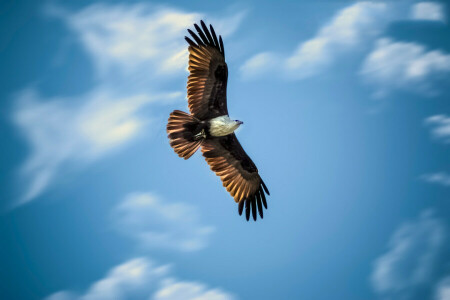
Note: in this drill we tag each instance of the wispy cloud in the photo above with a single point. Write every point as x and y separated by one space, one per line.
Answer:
354 29
128 36
141 278
128 280
411 259
441 178
428 11
139 38
349 29
70 130
157 224
188 290
440 125
443 289
405 66
257 65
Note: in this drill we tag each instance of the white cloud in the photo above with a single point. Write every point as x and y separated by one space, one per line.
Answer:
429 11
131 279
258 64
353 29
440 127
130 35
141 278
438 178
73 130
443 289
140 37
406 66
133 275
62 295
349 29
156 224
411 258
186 290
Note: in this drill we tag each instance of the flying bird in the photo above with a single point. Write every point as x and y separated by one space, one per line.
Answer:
209 126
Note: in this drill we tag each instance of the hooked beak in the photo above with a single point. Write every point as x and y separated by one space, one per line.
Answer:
240 122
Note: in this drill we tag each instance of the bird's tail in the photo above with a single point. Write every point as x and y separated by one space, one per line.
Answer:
185 133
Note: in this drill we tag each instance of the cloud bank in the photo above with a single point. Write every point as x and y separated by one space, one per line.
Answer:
141 278
388 66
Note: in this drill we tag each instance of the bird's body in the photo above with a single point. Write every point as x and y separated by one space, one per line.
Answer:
210 127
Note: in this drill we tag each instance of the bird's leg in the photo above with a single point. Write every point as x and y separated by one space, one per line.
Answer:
200 135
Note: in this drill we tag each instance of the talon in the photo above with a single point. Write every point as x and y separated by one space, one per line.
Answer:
200 135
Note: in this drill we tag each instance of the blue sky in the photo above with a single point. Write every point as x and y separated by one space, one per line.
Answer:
346 115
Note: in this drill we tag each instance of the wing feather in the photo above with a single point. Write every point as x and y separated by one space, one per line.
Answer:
207 81
239 175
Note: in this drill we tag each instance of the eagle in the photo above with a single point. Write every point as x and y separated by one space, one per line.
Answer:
209 126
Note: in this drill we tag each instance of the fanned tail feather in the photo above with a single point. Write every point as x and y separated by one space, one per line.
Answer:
181 129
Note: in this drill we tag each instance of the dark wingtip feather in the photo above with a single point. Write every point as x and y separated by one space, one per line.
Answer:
254 204
247 209
241 207
196 38
222 49
260 209
208 35
201 34
263 197
265 187
253 209
216 42
190 42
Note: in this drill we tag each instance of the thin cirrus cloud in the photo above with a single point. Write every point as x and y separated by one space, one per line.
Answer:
134 49
139 37
440 131
129 36
440 127
441 178
142 278
179 290
405 66
442 291
153 223
61 131
258 65
410 263
428 11
349 28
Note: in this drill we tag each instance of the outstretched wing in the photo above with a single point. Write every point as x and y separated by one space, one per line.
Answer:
239 175
207 81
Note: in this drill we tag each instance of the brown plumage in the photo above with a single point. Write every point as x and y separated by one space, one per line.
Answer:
207 100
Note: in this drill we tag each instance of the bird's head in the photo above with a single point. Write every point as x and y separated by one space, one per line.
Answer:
239 122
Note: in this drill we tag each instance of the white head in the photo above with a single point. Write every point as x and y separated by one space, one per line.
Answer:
238 123
223 125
